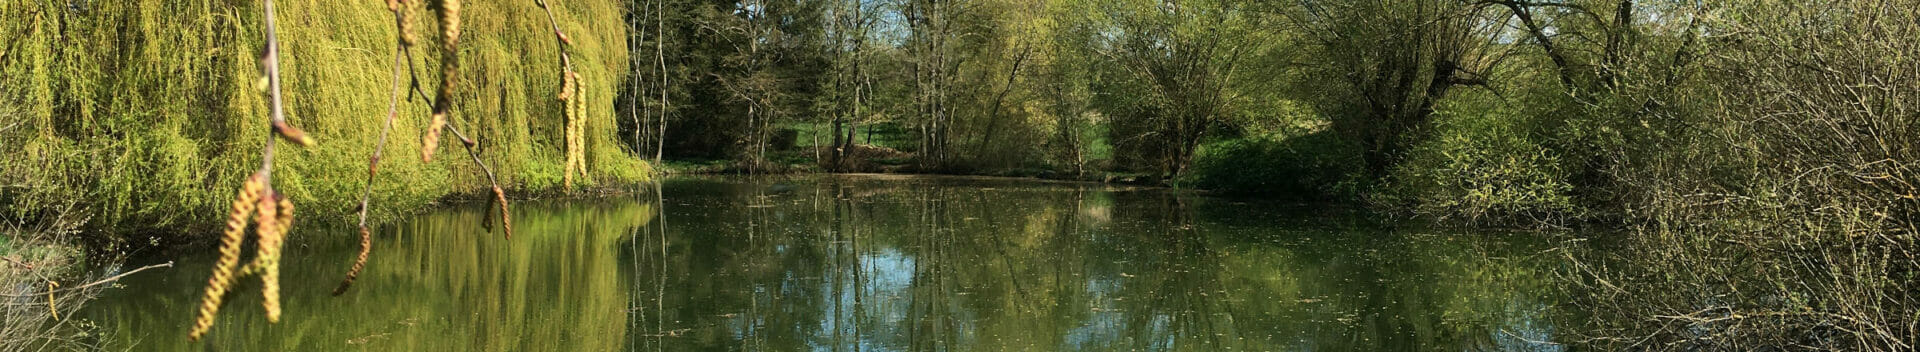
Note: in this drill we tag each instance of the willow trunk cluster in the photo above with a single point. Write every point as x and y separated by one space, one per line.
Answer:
272 211
572 95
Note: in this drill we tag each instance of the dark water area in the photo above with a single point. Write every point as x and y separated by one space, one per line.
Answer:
878 263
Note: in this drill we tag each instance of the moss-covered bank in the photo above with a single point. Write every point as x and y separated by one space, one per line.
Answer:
143 114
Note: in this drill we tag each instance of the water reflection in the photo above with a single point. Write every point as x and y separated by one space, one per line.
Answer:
436 283
878 263
874 263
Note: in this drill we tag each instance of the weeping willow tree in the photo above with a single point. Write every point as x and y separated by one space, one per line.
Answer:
129 104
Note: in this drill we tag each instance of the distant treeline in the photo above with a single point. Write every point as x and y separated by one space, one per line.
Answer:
1766 153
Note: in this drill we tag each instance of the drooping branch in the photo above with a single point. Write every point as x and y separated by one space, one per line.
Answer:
571 96
402 41
272 211
441 106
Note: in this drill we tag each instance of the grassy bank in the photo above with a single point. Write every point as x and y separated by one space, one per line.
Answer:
143 114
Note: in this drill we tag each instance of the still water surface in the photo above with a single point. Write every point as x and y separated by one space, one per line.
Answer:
877 263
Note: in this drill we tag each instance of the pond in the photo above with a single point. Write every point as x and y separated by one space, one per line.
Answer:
876 263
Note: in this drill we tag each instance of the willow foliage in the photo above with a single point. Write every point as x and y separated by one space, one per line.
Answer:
134 102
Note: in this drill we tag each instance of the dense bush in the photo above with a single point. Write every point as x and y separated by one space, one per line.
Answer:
1482 165
1314 166
1787 214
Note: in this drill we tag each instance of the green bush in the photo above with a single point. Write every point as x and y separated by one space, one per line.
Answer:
1314 166
1481 166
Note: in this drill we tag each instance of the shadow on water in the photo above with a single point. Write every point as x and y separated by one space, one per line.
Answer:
886 263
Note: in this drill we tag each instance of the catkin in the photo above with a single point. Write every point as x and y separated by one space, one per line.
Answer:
450 47
580 125
449 75
576 128
366 245
568 96
431 142
450 24
51 308
566 86
407 35
269 231
222 278
506 217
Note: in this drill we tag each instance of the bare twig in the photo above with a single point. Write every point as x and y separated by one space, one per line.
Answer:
17 262
379 147
90 284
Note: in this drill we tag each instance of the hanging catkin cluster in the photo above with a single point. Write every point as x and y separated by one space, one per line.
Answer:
449 76
576 113
442 105
222 279
272 212
573 104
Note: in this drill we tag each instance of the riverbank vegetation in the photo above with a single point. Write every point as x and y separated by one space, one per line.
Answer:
1761 154
1759 157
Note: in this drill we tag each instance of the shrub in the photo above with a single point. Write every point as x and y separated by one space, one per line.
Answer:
1482 166
1313 166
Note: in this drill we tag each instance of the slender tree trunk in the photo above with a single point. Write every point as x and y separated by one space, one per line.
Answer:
993 120
632 85
660 56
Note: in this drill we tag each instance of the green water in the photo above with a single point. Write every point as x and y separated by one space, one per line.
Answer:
877 263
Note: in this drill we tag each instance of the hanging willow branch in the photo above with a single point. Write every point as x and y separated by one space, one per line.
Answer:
402 10
575 103
442 106
273 212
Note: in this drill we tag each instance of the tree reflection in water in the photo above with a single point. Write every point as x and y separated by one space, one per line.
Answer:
859 263
884 263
